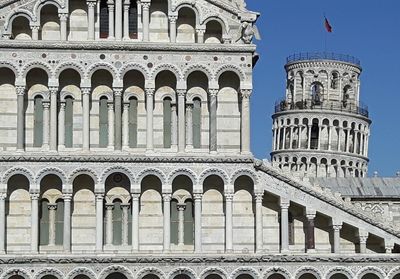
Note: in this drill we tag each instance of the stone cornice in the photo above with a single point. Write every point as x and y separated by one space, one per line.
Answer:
125 159
304 113
125 46
196 259
311 152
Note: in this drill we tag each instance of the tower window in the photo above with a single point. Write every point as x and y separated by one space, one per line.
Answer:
133 20
38 122
167 122
196 123
133 104
103 122
316 93
104 19
69 102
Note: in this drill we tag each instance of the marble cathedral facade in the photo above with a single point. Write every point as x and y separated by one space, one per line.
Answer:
125 153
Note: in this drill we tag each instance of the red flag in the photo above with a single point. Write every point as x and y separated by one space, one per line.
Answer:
328 27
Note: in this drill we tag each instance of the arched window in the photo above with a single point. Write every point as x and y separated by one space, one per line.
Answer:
117 223
51 222
167 122
316 93
38 122
103 122
346 94
314 136
133 20
213 32
188 223
69 114
21 29
133 125
44 223
291 229
174 221
104 20
197 123
335 80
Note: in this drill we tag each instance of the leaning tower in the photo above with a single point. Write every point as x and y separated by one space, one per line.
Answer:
320 128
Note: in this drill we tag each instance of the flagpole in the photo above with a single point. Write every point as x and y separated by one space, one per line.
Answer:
326 37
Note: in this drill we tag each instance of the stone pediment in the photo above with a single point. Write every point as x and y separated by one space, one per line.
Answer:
324 201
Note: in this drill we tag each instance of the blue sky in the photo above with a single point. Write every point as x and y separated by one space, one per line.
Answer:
368 30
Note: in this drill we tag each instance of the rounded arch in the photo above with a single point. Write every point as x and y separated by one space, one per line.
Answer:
130 95
198 68
81 271
230 68
41 3
182 270
277 270
244 172
102 66
182 171
213 171
49 271
244 270
68 66
151 171
214 270
370 269
134 67
51 170
167 67
307 269
12 16
395 271
115 169
223 22
10 66
150 270
115 269
192 6
339 270
37 64
15 272
79 171
19 170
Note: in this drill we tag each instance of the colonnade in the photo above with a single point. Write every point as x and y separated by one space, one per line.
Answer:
118 128
338 138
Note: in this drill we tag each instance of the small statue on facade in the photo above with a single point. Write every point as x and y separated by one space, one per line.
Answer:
246 33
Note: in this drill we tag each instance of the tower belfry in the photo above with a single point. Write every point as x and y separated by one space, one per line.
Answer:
320 128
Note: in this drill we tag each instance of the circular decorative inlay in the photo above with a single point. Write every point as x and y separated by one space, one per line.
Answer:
150 65
73 56
117 178
159 57
145 57
102 56
118 64
116 56
242 59
188 58
44 55
14 55
215 58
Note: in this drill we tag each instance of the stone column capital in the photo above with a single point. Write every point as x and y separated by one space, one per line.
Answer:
46 104
201 30
336 227
150 91
63 16
109 206
52 206
310 213
145 5
197 196
99 196
35 27
118 91
125 205
259 196
167 197
67 197
34 195
181 206
181 92
284 203
246 93
62 105
229 196
135 196
53 90
110 106
213 92
173 18
3 196
20 90
85 90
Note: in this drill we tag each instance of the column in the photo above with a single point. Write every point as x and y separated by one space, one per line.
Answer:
363 237
284 203
63 26
336 237
181 227
135 222
355 141
46 124
20 118
167 219
300 138
309 137
200 35
181 120
125 126
330 137
174 127
347 139
213 120
310 241
110 126
172 27
146 20
35 33
118 20
284 137
149 119
53 118
125 224
278 140
34 222
3 197
52 207
109 223
291 137
320 127
259 222
339 139
118 117
245 121
228 222
61 127
275 132
67 222
389 245
189 127
127 4
86 118
99 221
197 222
110 19
91 31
